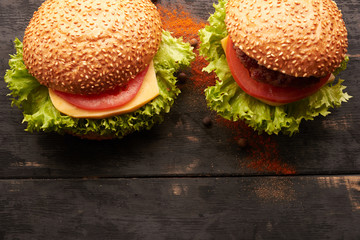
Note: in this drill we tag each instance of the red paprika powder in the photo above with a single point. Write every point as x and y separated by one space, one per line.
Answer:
182 24
262 150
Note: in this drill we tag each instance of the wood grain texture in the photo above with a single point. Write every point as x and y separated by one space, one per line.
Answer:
181 146
350 11
181 180
182 208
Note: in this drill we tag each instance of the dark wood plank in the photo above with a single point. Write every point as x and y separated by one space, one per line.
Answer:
182 208
181 145
350 11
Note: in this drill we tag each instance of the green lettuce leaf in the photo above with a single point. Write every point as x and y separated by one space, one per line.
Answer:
230 102
39 113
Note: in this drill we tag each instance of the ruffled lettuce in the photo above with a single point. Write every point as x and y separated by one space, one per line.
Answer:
40 115
230 102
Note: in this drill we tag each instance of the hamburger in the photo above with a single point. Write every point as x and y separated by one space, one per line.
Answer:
276 61
95 69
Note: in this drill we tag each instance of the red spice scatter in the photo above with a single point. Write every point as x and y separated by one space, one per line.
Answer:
242 142
181 24
262 150
201 79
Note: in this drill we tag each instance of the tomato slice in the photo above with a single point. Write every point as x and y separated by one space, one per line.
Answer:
107 100
272 95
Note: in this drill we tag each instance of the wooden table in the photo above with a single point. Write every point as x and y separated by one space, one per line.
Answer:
181 180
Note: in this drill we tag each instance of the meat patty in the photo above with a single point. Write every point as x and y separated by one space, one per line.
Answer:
275 78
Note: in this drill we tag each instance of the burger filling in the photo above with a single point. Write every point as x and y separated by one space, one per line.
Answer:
108 105
288 89
275 78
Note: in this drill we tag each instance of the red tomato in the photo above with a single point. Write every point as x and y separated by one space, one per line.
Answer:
107 100
264 91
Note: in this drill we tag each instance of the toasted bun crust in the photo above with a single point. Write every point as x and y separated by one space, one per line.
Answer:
91 46
299 38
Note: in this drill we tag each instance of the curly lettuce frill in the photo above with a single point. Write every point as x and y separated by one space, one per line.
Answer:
232 103
40 114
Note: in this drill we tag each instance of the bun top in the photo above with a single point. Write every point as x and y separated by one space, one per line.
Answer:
91 46
301 38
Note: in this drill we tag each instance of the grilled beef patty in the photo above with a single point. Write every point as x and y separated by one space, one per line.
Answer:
275 78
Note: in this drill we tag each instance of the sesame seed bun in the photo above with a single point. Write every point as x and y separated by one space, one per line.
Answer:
297 38
91 46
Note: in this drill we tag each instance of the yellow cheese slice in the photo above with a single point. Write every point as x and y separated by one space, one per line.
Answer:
147 92
224 42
